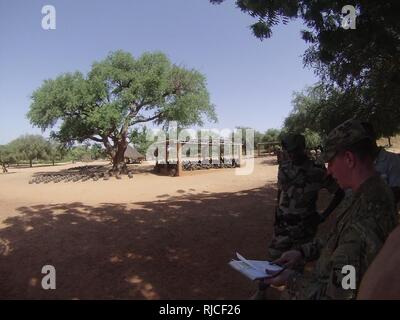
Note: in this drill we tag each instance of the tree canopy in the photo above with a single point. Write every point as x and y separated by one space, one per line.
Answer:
142 138
118 93
363 63
271 135
7 156
29 147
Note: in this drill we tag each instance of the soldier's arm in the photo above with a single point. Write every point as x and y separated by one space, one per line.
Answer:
357 247
329 284
352 250
311 251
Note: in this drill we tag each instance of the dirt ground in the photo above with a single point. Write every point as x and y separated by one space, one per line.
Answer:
150 237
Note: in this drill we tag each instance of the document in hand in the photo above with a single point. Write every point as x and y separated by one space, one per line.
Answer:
254 269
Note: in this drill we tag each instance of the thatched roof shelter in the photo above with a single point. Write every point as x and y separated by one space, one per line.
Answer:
132 154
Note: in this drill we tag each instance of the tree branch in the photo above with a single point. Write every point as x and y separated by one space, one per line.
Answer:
148 119
108 146
96 139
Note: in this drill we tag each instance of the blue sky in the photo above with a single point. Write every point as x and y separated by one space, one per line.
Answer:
250 81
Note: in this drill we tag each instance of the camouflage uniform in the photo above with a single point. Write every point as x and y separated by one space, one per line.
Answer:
388 165
281 156
296 217
358 235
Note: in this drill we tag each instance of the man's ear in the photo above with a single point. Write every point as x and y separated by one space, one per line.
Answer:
350 159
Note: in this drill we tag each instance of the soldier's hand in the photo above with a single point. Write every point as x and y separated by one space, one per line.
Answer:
289 258
281 279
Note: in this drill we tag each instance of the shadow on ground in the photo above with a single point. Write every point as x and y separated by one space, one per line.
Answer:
172 248
270 161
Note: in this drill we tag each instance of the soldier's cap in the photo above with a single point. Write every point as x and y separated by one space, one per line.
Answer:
292 142
344 135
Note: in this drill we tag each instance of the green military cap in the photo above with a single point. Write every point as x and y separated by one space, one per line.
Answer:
344 135
292 142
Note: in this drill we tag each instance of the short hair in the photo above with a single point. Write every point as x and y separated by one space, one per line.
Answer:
364 149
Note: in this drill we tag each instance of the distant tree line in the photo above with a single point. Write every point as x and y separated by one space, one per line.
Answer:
29 149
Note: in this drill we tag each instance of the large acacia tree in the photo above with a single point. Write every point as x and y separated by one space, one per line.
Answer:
117 94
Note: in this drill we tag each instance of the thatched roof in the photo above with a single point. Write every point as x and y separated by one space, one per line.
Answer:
132 153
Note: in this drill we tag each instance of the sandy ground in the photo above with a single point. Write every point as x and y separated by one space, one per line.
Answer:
150 237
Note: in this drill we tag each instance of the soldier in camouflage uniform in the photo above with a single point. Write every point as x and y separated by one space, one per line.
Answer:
360 230
386 163
299 181
281 156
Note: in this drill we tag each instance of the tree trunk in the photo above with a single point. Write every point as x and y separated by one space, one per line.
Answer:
30 163
390 143
4 168
53 162
119 155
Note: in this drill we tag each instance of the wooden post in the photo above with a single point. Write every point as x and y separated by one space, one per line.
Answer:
210 147
198 150
232 147
166 155
178 159
240 155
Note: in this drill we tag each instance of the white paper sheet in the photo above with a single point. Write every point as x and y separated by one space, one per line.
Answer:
254 269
